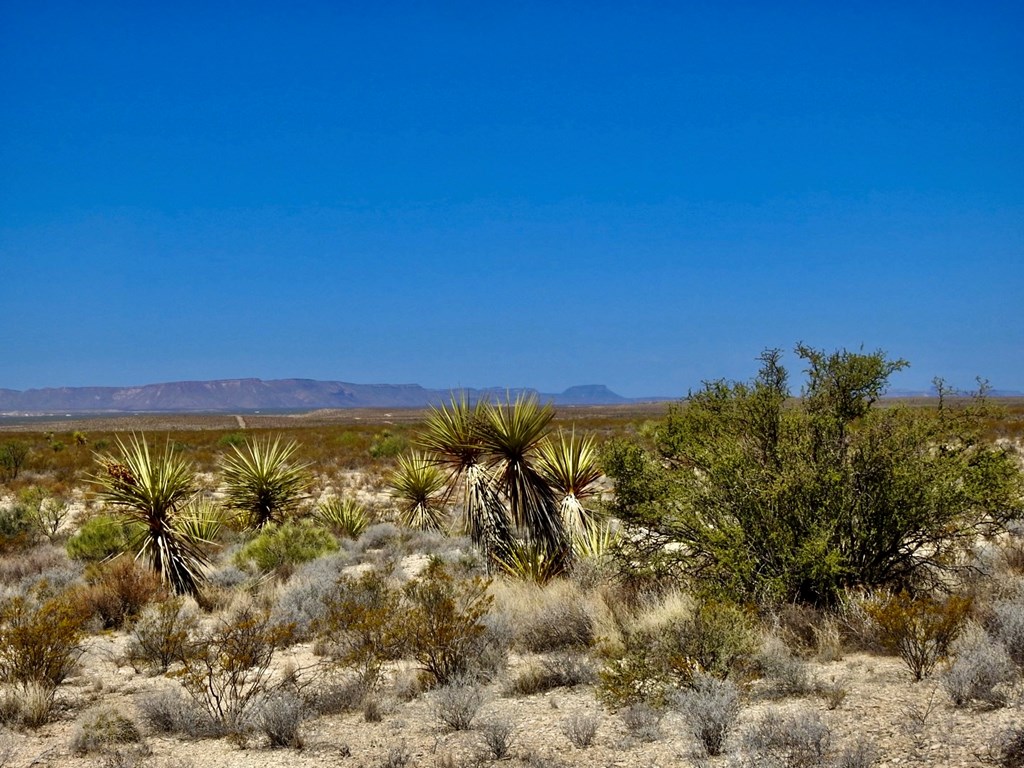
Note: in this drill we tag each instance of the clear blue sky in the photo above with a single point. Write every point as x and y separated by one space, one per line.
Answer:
515 194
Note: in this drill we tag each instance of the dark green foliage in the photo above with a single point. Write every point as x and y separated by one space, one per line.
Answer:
13 454
778 501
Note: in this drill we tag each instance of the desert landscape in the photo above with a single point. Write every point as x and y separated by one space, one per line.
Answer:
360 588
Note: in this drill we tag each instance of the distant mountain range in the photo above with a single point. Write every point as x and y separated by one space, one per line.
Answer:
258 395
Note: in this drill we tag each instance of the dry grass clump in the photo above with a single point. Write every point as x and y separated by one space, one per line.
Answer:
102 730
581 728
546 618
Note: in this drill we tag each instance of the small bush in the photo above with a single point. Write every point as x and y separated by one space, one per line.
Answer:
580 728
388 445
104 729
457 703
363 626
119 591
711 709
563 670
160 636
280 548
860 754
498 735
642 721
919 630
302 601
981 671
1008 751
788 674
227 669
559 620
100 538
169 711
799 739
40 642
1008 626
279 718
444 621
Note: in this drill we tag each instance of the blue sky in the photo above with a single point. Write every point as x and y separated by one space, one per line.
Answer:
544 194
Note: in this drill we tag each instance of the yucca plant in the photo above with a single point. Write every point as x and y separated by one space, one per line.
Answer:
532 561
343 517
418 485
595 541
452 436
203 521
569 465
149 492
262 481
510 435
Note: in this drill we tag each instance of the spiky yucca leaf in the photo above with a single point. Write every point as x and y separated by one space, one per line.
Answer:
452 437
532 561
510 435
343 517
595 542
148 491
418 485
569 465
451 434
262 482
203 521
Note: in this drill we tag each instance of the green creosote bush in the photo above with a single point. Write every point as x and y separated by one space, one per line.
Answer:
99 538
765 499
279 549
920 630
13 455
388 445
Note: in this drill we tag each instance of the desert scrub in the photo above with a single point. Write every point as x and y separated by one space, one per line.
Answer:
981 670
161 635
363 625
102 730
100 538
711 708
444 620
457 702
228 668
119 590
664 652
549 618
919 630
278 549
790 739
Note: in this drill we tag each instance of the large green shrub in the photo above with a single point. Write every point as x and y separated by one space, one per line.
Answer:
99 538
770 499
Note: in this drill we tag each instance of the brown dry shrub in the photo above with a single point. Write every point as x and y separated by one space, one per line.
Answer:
119 590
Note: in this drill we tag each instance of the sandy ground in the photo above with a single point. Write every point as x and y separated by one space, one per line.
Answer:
910 723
